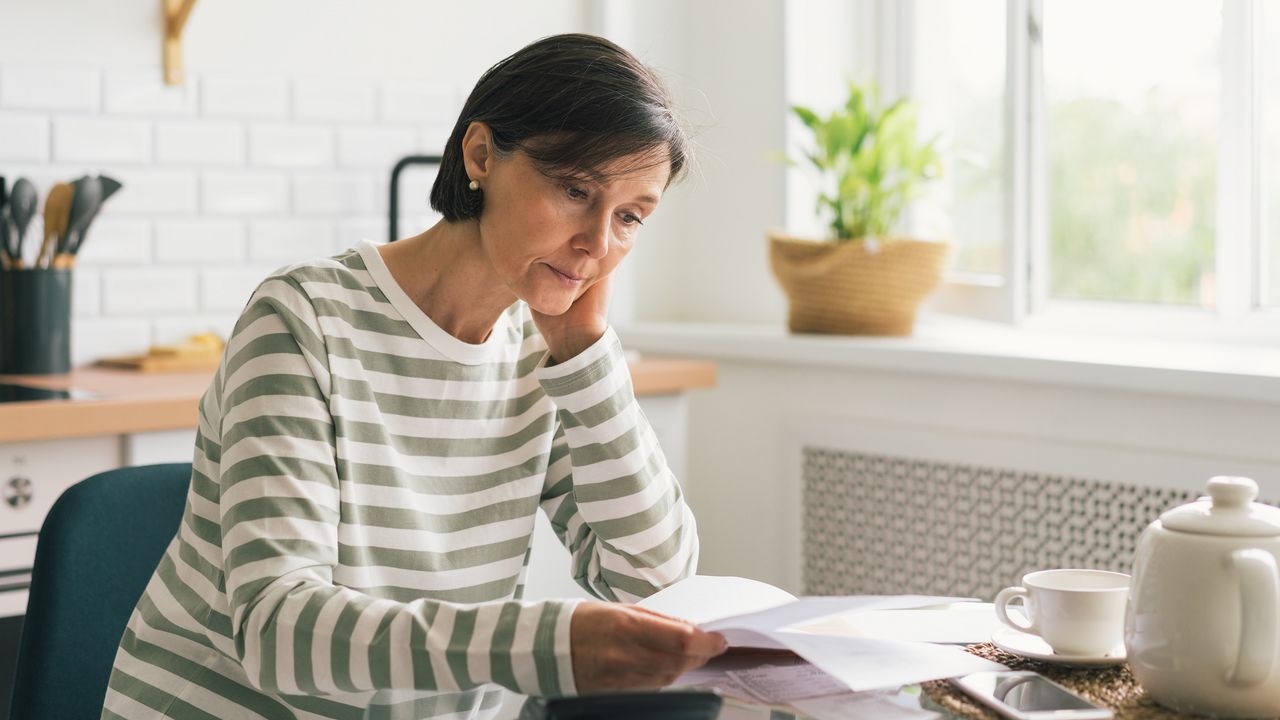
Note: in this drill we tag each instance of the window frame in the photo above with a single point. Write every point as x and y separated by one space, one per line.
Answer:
1020 296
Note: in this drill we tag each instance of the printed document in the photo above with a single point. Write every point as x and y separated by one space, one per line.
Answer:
757 615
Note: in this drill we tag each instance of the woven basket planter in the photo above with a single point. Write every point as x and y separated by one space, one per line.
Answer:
847 289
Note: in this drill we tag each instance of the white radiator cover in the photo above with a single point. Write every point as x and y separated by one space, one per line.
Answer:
883 524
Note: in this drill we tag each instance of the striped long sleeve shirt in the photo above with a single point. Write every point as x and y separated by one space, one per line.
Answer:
362 500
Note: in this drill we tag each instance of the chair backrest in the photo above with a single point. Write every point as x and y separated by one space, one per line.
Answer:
98 547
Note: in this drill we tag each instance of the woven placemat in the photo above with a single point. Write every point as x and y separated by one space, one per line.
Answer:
1110 685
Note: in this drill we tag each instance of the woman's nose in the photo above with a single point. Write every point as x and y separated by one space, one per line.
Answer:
593 238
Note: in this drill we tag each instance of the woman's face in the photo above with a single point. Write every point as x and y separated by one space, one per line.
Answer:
551 239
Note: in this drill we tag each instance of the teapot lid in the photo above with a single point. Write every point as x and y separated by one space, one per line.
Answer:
1228 510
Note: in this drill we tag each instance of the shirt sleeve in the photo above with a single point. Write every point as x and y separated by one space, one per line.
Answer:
609 493
294 630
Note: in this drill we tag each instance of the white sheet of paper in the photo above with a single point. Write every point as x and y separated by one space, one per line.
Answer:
809 609
753 614
954 623
703 598
861 706
865 664
780 684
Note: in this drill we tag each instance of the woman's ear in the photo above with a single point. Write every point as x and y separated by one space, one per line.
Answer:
477 150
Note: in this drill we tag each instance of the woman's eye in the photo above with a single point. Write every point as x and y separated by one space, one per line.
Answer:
575 192
631 219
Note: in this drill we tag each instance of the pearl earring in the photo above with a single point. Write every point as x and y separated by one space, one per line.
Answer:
474 185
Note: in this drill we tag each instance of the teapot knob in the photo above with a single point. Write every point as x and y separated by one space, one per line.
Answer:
1232 492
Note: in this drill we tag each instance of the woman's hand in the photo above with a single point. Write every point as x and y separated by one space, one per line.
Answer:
580 326
623 647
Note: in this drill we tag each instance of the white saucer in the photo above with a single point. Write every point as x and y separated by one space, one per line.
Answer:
1032 646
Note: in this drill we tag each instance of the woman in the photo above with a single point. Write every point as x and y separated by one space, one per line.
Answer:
386 423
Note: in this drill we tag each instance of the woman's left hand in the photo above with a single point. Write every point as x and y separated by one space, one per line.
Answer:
580 326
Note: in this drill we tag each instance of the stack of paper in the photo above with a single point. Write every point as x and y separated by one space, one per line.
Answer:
825 632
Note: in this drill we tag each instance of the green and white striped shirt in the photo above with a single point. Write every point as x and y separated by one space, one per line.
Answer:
363 496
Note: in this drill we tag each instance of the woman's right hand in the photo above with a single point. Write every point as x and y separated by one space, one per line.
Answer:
624 647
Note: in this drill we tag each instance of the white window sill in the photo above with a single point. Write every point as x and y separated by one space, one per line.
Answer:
966 348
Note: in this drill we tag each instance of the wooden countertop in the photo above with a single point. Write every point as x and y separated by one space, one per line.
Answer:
129 402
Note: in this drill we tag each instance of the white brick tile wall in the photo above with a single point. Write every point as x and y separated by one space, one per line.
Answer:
24 137
244 96
230 289
227 177
148 290
99 337
200 143
353 230
154 192
244 193
199 241
336 193
433 137
290 146
375 147
101 140
115 241
86 293
286 240
142 91
415 188
32 87
325 99
407 101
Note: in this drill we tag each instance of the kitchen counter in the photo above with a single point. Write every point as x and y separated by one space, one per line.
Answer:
126 401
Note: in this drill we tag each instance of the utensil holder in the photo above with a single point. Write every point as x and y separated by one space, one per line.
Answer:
35 321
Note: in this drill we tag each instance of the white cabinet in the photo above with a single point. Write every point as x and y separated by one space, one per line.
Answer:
32 476
159 447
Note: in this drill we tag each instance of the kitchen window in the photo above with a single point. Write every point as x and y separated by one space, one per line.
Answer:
1107 162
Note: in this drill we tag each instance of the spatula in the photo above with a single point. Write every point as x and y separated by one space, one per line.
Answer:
86 198
109 188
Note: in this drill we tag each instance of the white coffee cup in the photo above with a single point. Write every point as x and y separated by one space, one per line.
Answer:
1077 612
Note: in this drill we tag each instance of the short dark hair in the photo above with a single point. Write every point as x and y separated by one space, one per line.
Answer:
574 104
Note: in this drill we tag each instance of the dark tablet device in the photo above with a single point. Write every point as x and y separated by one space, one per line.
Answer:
677 705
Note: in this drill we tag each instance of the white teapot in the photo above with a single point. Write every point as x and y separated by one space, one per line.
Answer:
1202 627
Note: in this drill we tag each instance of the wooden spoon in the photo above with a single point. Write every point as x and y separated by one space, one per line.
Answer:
57 207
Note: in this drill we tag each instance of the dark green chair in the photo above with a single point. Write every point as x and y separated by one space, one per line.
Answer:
98 547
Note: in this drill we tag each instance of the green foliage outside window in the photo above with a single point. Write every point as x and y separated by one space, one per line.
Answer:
1132 203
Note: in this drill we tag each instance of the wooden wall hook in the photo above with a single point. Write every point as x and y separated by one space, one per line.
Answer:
176 13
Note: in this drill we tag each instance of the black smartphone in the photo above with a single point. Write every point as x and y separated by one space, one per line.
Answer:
1025 695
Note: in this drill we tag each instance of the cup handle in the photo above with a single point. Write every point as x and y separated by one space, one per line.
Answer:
1259 581
1008 595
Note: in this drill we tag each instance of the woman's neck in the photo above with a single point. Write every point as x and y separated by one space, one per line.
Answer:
447 273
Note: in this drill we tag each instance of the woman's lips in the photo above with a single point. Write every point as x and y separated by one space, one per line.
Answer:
566 278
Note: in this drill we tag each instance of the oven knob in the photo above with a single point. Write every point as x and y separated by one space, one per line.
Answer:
17 492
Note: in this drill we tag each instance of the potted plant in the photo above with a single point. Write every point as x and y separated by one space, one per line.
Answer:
862 280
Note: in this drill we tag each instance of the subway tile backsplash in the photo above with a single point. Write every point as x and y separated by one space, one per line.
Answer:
227 177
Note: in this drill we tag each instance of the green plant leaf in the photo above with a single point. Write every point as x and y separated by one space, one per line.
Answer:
869 160
807 116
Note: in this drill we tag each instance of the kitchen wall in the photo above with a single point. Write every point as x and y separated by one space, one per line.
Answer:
277 148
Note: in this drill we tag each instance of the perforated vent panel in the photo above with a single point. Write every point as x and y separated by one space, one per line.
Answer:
876 524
